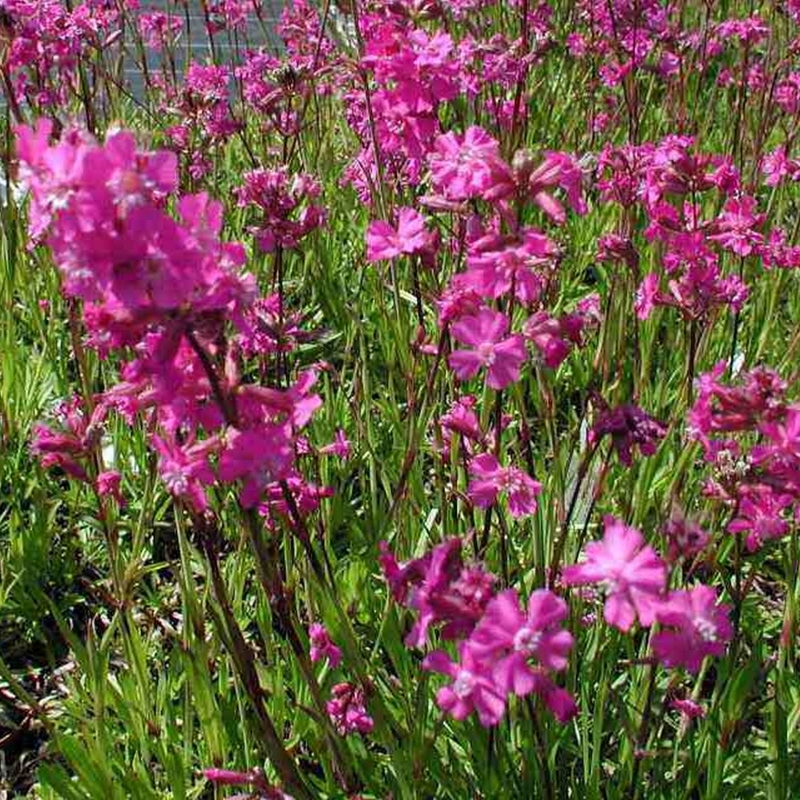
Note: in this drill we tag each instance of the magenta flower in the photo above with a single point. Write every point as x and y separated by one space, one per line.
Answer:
296 404
108 484
322 646
456 604
496 264
484 332
758 398
440 589
648 296
69 445
562 170
286 206
347 711
630 571
783 450
685 537
735 227
339 447
689 708
629 427
560 702
467 166
489 479
554 338
401 578
158 29
306 495
759 515
384 242
696 627
254 778
258 456
185 470
510 638
461 419
472 689
443 568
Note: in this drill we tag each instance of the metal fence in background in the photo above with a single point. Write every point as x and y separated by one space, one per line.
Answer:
253 34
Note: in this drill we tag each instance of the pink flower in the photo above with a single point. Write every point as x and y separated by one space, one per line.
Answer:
461 419
306 495
322 646
510 638
385 242
554 338
648 296
735 227
296 404
489 479
158 28
468 166
339 447
560 702
69 445
689 708
698 627
472 689
685 538
108 485
347 711
759 514
502 357
184 470
776 166
783 450
562 170
630 571
253 778
758 398
496 264
286 202
629 427
402 577
259 456
440 588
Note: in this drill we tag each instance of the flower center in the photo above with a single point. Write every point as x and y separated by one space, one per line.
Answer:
486 352
706 629
526 640
176 481
463 684
511 482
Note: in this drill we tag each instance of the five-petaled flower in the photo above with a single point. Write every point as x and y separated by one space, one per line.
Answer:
485 334
630 572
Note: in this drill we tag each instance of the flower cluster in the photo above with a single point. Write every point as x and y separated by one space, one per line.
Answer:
758 481
633 579
165 289
502 648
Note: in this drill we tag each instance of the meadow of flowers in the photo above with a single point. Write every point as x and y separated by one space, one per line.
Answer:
407 407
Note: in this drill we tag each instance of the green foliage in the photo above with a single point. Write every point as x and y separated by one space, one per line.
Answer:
123 679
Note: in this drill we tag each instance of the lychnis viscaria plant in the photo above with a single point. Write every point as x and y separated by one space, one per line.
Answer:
400 400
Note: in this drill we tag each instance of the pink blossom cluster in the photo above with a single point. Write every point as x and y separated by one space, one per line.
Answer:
43 42
750 436
165 290
633 579
347 710
503 649
286 206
